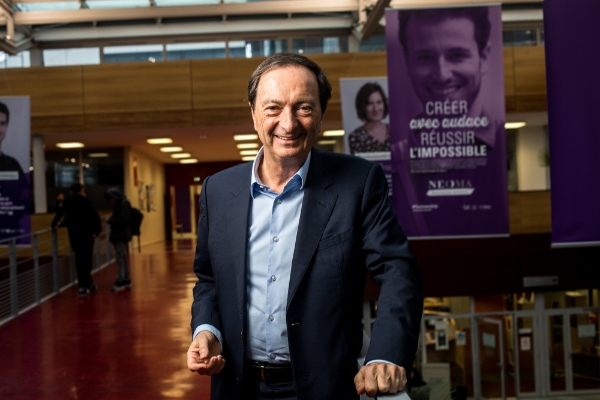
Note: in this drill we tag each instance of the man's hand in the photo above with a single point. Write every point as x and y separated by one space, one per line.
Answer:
380 377
204 355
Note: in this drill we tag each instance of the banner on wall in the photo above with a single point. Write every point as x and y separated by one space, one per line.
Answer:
447 113
14 168
366 121
573 120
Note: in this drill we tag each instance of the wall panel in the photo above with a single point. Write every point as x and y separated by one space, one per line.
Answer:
53 90
137 87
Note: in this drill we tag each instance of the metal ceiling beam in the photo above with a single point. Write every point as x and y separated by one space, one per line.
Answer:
215 28
254 8
370 20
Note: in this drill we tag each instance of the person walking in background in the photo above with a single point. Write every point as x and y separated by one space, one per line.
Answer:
83 224
120 235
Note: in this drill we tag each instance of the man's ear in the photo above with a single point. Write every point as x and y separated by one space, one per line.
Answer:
484 55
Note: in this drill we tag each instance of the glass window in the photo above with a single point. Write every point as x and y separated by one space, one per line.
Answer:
189 51
256 48
151 52
60 57
117 4
320 45
20 60
166 3
520 38
374 43
58 5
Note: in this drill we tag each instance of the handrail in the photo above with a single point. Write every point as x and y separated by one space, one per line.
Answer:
25 235
39 274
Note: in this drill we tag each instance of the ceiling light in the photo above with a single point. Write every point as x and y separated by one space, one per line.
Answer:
164 140
251 136
248 152
247 146
514 125
181 155
248 158
326 142
189 161
70 145
172 149
98 155
334 133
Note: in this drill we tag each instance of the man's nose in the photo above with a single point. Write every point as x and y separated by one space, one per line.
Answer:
444 69
287 120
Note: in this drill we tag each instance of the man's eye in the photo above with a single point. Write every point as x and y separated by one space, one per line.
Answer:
425 58
458 56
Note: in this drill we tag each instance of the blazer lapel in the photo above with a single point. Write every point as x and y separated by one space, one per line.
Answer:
237 232
317 206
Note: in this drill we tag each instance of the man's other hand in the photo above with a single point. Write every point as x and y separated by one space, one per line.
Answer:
380 377
204 355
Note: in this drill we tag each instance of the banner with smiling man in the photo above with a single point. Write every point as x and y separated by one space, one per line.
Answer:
446 106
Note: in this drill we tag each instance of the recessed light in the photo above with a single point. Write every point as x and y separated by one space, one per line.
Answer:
172 149
514 125
247 146
181 155
248 158
70 145
160 140
248 152
98 155
339 132
189 161
251 136
326 142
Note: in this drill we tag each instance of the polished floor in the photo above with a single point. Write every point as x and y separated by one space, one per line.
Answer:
124 345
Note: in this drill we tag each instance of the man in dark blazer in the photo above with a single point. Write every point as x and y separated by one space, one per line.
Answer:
284 246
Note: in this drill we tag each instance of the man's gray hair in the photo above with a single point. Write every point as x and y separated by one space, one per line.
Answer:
284 60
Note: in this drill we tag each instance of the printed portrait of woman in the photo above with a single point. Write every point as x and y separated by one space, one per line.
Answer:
371 108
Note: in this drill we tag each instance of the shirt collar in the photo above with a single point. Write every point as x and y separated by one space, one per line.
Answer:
301 174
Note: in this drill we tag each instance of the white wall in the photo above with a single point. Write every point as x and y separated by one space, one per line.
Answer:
531 143
149 173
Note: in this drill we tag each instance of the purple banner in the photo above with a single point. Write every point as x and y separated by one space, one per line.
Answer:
447 113
14 169
572 64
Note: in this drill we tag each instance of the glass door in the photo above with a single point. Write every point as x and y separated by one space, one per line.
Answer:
492 375
584 350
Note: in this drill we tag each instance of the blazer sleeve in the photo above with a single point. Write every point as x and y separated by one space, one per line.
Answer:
205 307
391 266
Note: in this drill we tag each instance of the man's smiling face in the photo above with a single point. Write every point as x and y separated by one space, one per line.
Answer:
443 59
287 113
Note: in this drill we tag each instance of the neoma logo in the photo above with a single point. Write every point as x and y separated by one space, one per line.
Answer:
450 187
450 184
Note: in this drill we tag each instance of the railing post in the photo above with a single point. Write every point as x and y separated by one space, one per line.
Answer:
14 297
55 260
107 230
36 267
71 264
97 252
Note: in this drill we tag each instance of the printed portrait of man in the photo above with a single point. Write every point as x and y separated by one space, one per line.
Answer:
449 147
14 184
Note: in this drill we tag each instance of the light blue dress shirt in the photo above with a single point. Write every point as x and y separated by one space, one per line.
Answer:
272 234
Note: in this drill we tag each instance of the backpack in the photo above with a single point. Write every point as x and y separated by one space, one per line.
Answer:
136 223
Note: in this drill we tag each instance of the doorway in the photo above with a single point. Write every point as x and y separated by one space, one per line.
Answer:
185 210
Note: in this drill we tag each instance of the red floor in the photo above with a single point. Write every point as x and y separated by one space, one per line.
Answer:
125 345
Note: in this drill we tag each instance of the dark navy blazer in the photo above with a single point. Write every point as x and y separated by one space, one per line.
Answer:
347 227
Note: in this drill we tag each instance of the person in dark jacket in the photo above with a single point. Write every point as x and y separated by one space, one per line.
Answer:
83 223
120 235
